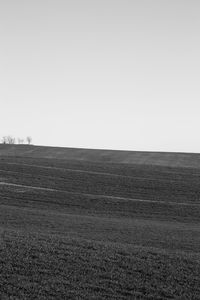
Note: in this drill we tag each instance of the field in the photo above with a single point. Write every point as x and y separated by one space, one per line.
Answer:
87 229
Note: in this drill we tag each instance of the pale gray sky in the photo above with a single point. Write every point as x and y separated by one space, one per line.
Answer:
115 74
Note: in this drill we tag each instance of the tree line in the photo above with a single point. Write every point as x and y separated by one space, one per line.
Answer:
12 140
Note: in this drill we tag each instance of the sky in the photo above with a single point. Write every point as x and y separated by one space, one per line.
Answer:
106 74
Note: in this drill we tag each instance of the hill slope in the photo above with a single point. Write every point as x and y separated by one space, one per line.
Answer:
109 156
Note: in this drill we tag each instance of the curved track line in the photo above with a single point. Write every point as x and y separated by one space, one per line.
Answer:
99 196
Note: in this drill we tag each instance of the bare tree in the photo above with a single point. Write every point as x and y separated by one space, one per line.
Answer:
20 141
29 139
4 140
10 140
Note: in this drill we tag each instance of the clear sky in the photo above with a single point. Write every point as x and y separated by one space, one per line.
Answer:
113 74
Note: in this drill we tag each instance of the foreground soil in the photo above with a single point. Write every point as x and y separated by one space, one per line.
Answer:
88 230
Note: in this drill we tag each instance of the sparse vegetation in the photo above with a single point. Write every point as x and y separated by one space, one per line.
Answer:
12 140
8 140
20 141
